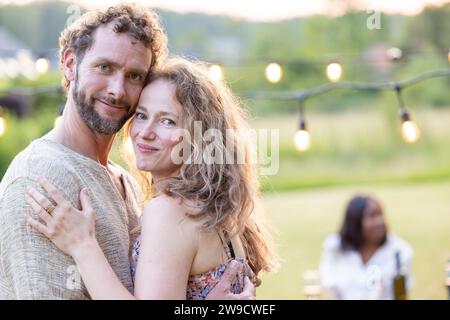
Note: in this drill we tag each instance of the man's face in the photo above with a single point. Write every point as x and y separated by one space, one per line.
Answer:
110 79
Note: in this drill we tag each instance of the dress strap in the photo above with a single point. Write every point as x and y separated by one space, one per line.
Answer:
227 245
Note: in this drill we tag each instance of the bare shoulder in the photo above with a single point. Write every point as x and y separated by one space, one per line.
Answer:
169 210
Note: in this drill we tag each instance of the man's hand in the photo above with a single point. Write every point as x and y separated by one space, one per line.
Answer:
222 290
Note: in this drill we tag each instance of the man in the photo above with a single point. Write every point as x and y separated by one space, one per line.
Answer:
105 58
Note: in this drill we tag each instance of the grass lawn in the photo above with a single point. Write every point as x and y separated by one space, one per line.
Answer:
419 213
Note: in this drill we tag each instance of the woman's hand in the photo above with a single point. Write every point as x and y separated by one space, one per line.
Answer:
70 229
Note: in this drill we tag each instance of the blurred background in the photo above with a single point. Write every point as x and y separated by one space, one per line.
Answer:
354 141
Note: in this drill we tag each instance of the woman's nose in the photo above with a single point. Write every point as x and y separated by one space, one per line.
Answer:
148 132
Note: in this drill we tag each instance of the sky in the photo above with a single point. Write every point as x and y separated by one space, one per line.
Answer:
268 10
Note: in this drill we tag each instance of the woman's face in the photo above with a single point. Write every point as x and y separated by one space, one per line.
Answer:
154 128
373 225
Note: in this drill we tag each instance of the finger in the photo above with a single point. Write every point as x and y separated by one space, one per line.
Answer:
86 205
37 226
258 281
51 189
39 198
249 292
44 215
229 274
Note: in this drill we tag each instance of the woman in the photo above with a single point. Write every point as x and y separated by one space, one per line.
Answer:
360 262
203 213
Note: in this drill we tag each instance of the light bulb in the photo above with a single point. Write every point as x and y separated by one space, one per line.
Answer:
274 72
334 71
302 141
42 65
2 126
394 53
216 72
410 131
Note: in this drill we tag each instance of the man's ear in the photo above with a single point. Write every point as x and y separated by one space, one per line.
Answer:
70 65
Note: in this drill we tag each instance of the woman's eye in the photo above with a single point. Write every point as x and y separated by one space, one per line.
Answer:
169 122
140 116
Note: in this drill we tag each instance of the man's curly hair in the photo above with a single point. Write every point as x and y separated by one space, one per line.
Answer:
138 21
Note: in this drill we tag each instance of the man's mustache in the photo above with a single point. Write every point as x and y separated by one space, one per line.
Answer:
113 101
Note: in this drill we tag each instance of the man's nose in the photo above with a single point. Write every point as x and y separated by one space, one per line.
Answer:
116 86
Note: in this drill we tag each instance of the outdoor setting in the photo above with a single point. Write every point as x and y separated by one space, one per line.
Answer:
348 110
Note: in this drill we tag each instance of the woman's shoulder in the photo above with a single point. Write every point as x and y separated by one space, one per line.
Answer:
168 209
397 243
332 242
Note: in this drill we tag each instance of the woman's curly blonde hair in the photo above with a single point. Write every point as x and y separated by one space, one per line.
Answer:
228 192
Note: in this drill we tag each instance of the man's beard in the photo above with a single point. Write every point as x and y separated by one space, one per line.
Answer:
92 118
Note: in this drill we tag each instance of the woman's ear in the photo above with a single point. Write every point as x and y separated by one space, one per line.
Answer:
70 65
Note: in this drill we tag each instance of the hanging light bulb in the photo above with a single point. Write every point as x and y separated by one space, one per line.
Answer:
410 131
394 53
448 56
302 140
216 72
334 72
42 65
273 72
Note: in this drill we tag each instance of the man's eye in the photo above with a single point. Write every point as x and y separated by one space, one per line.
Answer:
136 77
140 116
103 67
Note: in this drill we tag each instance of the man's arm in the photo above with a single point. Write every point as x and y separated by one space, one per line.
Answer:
34 268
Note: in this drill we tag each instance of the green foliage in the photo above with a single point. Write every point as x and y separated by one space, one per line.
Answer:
38 25
20 132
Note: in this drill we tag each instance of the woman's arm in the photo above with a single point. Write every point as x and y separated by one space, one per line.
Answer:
99 278
168 247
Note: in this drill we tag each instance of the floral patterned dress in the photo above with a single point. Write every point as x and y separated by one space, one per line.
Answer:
200 285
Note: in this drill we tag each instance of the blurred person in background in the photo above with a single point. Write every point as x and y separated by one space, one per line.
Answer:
360 261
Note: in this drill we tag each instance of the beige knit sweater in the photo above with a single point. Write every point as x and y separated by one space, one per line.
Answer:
31 267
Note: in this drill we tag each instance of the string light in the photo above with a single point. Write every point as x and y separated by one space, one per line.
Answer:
334 72
216 72
273 72
394 53
448 56
42 65
410 131
302 139
2 123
